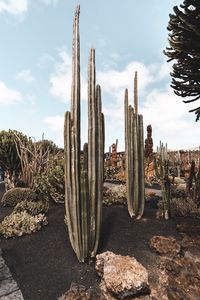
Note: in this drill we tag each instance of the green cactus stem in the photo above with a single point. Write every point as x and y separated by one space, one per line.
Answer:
134 148
162 172
84 187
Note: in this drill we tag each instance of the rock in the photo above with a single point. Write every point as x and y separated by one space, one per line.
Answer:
7 286
183 279
189 242
80 292
193 254
165 245
178 180
190 230
123 276
181 187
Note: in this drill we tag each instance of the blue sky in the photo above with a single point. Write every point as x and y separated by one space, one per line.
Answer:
35 67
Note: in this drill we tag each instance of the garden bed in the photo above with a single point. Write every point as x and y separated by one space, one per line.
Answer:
44 264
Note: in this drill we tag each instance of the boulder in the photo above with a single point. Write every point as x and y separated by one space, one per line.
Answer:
165 245
80 292
181 187
122 276
183 279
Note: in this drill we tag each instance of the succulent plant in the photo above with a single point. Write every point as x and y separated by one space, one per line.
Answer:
16 195
134 149
162 172
83 187
18 224
32 208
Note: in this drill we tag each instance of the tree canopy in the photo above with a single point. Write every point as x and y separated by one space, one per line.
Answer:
184 41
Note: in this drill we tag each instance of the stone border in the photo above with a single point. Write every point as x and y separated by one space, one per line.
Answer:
9 289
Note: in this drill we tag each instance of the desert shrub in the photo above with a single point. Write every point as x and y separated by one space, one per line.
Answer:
179 193
9 159
180 207
18 224
16 195
51 185
114 173
184 207
115 194
32 208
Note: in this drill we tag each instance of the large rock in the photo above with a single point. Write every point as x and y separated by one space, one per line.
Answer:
123 276
183 279
165 245
80 292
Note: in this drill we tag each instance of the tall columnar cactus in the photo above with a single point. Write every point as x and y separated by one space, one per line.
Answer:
134 148
84 181
162 172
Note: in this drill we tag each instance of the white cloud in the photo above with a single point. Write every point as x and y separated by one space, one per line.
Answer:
14 7
60 80
115 56
25 75
170 119
50 2
114 82
160 107
9 96
56 123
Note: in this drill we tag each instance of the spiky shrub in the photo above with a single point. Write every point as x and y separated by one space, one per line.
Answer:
34 157
32 208
16 195
50 184
18 224
9 158
83 188
134 149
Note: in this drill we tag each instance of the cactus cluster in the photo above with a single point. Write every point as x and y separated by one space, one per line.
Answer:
162 173
83 184
134 148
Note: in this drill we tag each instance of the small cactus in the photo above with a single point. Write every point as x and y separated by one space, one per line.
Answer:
162 172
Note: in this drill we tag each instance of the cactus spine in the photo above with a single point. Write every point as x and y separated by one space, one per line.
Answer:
84 183
134 148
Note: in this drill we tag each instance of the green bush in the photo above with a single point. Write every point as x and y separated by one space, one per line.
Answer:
18 224
16 195
51 185
32 208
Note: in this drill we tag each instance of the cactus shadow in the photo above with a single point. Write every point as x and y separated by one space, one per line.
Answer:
106 230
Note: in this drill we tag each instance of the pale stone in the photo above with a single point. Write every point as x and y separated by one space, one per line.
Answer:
181 187
123 276
165 245
77 292
4 272
17 295
8 286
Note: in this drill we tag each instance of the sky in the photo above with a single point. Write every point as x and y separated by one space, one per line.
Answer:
128 36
